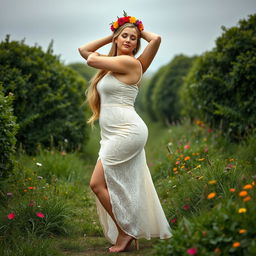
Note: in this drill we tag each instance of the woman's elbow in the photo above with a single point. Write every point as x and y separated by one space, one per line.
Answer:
83 53
90 60
158 39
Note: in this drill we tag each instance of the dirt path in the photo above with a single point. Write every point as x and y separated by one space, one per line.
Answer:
91 246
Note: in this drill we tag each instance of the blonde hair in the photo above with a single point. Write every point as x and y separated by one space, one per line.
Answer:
92 95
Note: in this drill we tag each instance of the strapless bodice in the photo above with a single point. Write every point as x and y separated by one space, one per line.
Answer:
113 91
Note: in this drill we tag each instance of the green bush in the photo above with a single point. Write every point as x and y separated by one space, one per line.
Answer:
48 97
220 89
227 230
8 130
84 70
200 181
148 93
165 94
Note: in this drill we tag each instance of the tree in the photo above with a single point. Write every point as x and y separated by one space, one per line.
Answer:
8 130
48 97
165 96
220 89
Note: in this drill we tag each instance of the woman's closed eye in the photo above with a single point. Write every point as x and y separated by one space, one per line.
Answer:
132 36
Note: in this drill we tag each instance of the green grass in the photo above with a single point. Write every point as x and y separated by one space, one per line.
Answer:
61 183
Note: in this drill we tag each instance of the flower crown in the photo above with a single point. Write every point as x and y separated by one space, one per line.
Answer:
126 19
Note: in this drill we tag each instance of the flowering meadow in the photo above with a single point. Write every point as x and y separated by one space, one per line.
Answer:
207 187
205 183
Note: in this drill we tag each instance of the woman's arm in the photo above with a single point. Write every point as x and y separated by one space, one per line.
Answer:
87 49
150 51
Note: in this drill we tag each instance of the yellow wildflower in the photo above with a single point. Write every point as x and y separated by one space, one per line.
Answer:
242 210
201 159
212 182
183 166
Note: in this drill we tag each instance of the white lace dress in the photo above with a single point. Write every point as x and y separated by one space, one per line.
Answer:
135 203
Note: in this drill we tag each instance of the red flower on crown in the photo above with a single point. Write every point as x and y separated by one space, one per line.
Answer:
126 19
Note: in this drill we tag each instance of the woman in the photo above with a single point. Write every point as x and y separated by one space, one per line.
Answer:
127 203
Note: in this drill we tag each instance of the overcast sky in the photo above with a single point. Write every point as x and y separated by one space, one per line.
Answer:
186 26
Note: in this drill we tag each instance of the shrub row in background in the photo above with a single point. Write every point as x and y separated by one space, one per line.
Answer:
218 89
48 97
8 130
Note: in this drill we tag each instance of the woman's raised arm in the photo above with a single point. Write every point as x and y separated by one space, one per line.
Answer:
151 49
87 49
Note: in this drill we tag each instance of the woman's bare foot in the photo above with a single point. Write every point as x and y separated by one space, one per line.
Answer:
122 243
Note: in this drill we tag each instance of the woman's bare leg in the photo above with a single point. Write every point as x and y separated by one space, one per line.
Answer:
99 187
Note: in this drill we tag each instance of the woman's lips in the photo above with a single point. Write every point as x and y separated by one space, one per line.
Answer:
127 45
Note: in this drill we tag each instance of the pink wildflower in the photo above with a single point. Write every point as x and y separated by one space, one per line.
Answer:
192 251
11 215
40 214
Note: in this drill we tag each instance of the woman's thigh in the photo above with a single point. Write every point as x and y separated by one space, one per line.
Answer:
98 178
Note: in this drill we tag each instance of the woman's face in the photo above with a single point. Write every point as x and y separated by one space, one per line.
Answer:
127 41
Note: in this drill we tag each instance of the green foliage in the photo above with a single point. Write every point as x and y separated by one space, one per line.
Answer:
55 165
165 95
8 130
211 226
220 89
217 233
84 70
148 98
48 97
30 247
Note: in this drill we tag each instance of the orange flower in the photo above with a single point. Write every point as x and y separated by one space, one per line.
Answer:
236 244
115 25
133 19
248 198
243 193
242 210
211 195
232 189
174 169
187 158
242 231
248 186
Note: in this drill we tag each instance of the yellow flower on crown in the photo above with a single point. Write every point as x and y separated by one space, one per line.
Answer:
115 25
133 19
